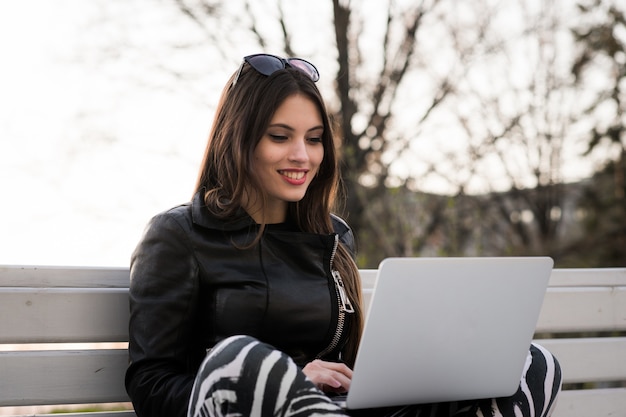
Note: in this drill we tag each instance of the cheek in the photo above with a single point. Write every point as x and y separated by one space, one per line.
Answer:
264 158
317 156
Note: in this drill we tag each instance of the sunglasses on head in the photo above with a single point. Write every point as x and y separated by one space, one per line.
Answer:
267 64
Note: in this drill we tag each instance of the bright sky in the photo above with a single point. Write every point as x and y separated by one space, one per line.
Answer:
84 160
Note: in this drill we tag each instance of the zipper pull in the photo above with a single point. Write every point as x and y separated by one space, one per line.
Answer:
345 301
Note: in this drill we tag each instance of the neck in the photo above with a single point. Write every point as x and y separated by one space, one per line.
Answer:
265 217
269 213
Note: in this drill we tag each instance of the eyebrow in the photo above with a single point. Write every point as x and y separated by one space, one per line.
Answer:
285 126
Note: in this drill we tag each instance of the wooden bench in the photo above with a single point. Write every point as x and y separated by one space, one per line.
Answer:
63 338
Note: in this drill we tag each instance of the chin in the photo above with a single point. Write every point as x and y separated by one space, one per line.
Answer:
294 199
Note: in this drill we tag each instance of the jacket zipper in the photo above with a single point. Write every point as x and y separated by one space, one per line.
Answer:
345 306
344 302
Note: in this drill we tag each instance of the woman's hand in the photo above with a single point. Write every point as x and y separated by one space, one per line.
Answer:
329 376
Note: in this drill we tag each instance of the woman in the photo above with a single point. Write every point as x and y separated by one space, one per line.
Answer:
246 301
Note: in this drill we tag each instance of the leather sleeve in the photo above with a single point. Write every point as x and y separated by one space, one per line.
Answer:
163 299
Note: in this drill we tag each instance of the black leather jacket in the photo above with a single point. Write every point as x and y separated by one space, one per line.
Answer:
191 287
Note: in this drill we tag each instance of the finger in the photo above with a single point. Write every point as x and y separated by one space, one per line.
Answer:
338 367
329 376
344 369
337 381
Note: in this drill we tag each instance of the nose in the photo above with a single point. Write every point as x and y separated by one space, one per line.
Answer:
299 151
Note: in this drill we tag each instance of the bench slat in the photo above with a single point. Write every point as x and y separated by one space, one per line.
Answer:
111 410
583 309
63 315
597 402
588 277
94 414
62 377
592 402
567 309
63 276
368 278
118 277
560 277
68 375
599 359
101 315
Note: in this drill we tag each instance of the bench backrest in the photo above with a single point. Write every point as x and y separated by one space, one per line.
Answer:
64 333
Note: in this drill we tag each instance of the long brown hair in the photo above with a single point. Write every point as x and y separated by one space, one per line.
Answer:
242 116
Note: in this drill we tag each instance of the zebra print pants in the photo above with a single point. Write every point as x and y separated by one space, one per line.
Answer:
244 377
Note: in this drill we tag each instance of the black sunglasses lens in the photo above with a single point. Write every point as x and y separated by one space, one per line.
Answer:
268 64
265 64
305 67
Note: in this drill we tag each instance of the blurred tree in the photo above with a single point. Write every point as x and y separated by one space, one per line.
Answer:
524 126
517 109
397 63
477 98
601 54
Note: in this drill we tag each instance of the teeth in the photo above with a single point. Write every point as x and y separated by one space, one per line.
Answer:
293 175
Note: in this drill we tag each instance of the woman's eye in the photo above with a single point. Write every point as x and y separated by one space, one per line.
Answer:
278 138
315 140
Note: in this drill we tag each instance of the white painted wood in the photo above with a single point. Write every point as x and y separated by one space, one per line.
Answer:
561 277
98 414
588 277
567 309
580 309
94 414
102 315
592 403
76 304
118 277
62 315
368 278
366 299
63 276
600 359
106 409
62 377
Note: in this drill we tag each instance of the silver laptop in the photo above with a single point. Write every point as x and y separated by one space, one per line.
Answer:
447 329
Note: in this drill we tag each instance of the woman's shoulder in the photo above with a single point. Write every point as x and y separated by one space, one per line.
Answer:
339 224
177 217
343 229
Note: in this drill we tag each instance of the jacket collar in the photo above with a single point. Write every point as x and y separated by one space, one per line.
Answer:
201 216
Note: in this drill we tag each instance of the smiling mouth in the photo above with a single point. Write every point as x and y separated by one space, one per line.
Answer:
293 175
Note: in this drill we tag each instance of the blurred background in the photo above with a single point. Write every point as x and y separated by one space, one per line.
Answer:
483 128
